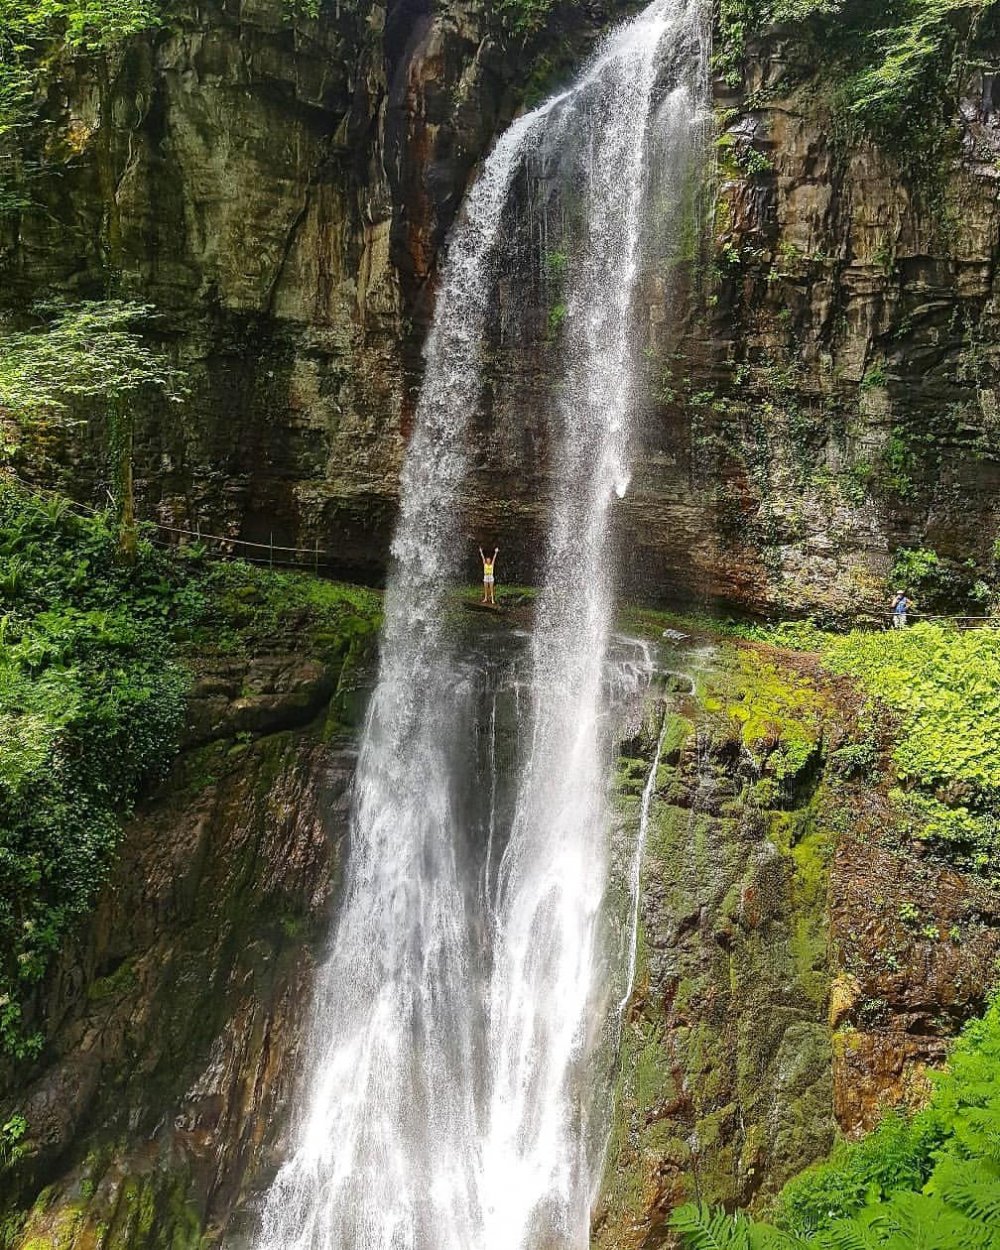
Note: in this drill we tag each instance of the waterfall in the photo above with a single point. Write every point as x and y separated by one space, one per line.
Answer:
449 1099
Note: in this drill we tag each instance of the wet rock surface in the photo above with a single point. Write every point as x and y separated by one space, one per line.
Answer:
801 963
822 364
174 1018
918 944
282 191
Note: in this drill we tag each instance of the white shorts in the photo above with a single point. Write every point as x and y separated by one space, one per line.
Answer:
487 581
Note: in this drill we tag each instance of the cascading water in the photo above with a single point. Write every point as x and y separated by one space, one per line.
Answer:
449 1094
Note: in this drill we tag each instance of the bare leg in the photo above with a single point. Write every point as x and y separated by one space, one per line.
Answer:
486 591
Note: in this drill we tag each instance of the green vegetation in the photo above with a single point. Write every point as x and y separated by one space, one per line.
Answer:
894 64
524 17
89 351
92 692
777 714
943 686
928 1183
28 28
939 689
941 585
90 711
934 688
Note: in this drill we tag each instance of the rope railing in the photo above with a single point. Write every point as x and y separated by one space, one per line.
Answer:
229 548
233 549
277 553
917 617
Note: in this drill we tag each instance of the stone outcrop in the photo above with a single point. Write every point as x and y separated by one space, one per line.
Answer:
918 945
280 190
801 962
848 404
174 1018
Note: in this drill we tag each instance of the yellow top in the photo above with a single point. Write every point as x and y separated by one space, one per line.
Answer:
487 568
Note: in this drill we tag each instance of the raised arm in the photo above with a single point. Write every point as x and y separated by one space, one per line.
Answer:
481 556
496 553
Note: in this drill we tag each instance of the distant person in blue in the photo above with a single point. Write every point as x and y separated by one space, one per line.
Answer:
902 604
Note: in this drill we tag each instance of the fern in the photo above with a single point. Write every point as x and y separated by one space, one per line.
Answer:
977 1132
766 1237
908 1221
931 1182
703 1228
852 1234
971 1186
921 1222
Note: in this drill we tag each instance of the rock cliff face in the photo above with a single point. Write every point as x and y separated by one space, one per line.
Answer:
851 405
822 381
173 1020
822 389
801 963
280 189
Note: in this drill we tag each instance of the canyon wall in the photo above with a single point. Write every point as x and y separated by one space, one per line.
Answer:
820 341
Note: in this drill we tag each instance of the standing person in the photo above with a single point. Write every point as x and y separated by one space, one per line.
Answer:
489 586
901 606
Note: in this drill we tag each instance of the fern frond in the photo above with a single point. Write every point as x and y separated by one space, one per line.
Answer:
766 1237
972 1186
977 1131
852 1234
710 1228
922 1222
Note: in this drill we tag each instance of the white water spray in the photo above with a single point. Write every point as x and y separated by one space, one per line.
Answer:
450 1101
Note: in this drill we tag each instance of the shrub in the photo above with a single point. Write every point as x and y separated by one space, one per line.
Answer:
92 691
939 585
890 66
91 704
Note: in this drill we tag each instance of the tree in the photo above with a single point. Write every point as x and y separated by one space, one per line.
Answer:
90 350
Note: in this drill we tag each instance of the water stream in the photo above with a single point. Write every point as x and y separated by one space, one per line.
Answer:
452 1098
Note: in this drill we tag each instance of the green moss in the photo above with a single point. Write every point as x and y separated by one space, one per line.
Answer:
121 981
726 1066
677 730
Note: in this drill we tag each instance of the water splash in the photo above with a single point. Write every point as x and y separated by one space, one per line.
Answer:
389 1123
549 989
450 1095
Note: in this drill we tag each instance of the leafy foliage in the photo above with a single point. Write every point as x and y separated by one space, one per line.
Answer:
929 1183
90 710
28 27
909 55
777 717
87 350
524 17
92 691
941 688
940 585
944 686
893 63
